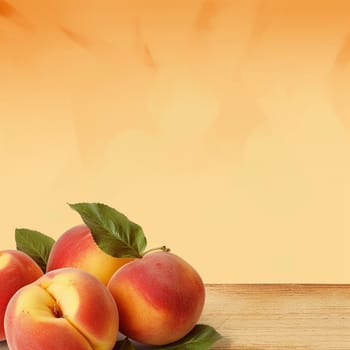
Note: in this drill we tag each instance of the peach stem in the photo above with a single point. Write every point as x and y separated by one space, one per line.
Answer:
163 248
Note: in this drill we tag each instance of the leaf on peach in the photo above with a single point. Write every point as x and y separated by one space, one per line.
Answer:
35 244
113 232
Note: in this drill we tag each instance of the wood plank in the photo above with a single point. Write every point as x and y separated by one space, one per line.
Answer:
275 316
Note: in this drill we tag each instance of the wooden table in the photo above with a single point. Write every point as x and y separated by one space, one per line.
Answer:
278 316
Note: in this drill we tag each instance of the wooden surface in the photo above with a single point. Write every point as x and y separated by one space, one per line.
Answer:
278 316
275 316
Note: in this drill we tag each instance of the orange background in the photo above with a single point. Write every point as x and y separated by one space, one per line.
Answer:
222 127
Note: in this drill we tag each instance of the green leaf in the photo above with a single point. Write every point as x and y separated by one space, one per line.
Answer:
113 232
202 337
124 344
35 244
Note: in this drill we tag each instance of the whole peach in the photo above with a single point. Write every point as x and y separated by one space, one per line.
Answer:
159 297
16 270
77 248
65 309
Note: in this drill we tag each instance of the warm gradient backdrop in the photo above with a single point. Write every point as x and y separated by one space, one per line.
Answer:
222 127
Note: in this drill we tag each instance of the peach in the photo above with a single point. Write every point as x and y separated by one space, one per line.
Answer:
159 297
16 270
77 248
65 309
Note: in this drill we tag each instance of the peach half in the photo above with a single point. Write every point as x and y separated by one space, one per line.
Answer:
16 270
64 309
77 248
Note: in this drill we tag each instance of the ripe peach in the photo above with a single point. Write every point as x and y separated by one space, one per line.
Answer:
65 309
16 270
159 297
77 248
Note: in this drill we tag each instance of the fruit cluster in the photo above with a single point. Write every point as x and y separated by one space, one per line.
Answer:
95 281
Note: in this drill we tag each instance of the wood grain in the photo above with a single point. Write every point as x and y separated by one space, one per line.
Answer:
279 316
